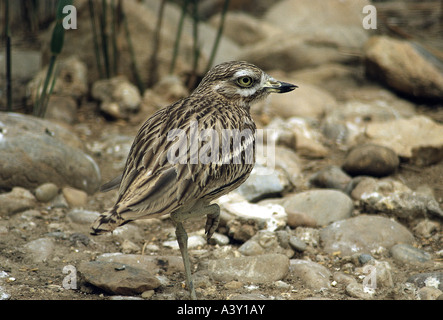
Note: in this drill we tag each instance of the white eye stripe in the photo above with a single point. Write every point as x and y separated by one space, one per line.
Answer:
243 73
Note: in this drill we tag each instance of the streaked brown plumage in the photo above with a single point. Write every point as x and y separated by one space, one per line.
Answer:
152 185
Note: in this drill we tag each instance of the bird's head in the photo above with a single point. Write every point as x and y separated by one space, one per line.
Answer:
241 82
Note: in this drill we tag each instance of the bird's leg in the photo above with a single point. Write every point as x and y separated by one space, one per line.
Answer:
212 220
182 239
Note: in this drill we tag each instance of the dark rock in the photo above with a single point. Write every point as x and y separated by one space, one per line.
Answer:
372 160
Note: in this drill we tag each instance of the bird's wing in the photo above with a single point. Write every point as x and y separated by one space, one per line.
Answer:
149 183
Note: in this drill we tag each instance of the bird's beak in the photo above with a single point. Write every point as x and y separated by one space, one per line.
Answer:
273 85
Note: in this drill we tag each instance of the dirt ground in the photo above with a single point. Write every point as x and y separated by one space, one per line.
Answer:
44 281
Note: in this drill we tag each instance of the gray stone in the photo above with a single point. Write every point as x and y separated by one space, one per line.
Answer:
362 234
364 258
331 177
82 216
297 244
39 250
154 263
220 239
35 151
323 205
313 275
371 160
265 242
194 241
256 269
263 183
46 192
405 253
117 278
17 200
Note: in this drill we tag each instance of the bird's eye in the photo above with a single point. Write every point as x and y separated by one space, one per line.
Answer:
245 82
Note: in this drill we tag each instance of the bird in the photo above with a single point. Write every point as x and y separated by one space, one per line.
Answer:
192 152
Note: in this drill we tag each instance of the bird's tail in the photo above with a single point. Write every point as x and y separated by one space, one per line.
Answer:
107 222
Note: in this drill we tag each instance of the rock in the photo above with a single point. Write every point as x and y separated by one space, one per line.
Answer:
383 275
304 43
363 234
307 140
323 205
81 216
194 241
39 250
313 275
4 295
342 278
130 247
263 182
300 219
116 278
426 227
427 279
119 98
266 217
346 124
357 290
62 109
264 242
17 200
46 192
248 296
72 79
154 263
52 152
407 254
171 88
256 269
243 28
330 177
310 236
392 197
219 239
310 101
418 139
428 293
404 66
364 258
371 160
75 197
297 244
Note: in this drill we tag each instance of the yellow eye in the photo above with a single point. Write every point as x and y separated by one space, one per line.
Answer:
244 82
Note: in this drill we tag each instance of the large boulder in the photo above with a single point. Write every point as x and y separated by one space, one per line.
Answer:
405 67
34 151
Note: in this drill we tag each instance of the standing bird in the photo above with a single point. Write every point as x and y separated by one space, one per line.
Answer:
191 153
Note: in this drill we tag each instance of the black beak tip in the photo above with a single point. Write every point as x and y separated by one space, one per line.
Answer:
286 87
